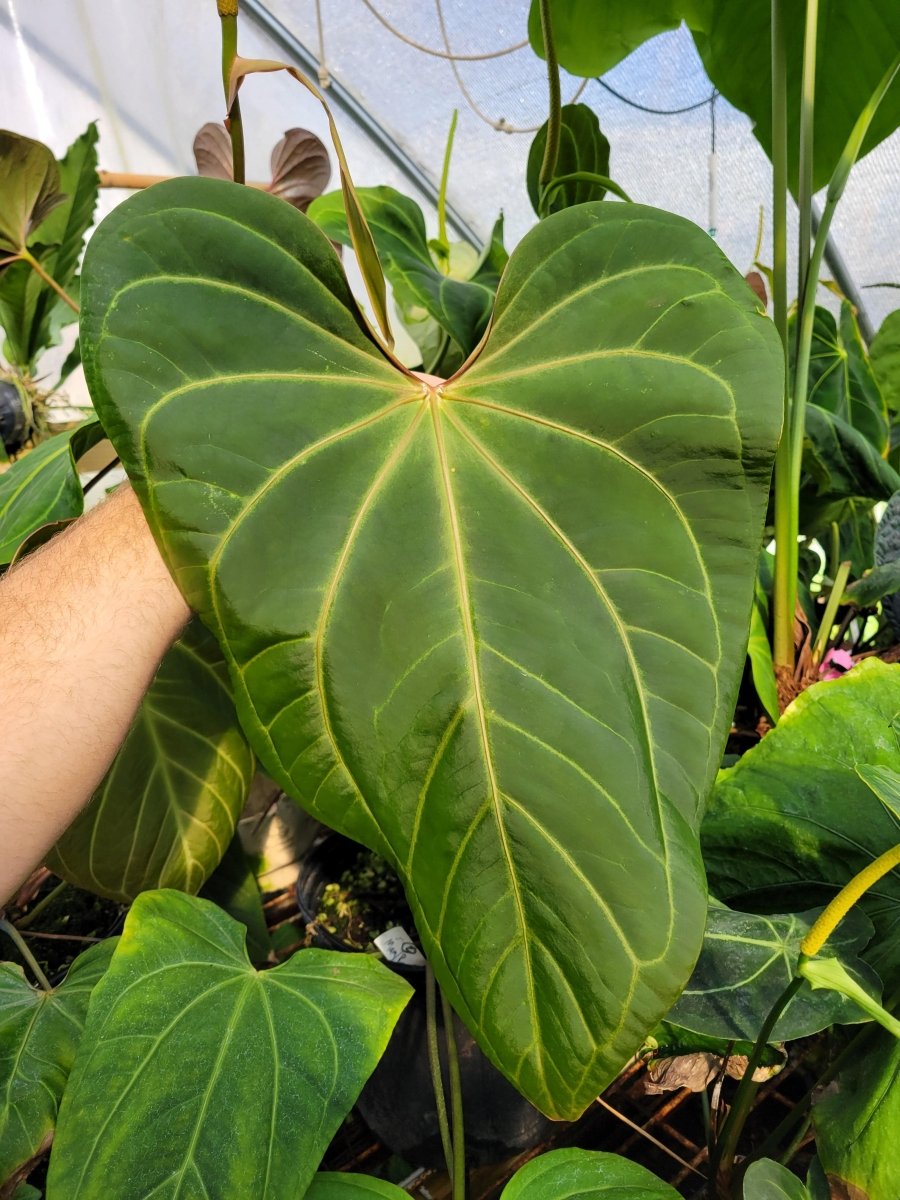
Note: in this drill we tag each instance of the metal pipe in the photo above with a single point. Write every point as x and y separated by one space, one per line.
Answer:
299 56
844 280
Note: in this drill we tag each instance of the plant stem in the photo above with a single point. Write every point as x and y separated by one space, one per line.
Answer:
13 934
784 592
834 602
554 121
41 905
456 1104
722 1163
807 115
434 1062
838 908
228 11
26 256
581 177
442 193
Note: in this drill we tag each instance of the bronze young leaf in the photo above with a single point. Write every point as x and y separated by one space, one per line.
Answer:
493 627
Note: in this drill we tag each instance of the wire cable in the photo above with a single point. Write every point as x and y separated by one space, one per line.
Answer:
445 54
659 112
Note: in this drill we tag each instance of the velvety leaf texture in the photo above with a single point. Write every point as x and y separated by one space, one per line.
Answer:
39 1036
492 629
165 813
201 1077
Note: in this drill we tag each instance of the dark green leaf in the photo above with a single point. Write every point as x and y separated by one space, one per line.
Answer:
878 583
39 1035
460 307
444 610
590 38
43 486
884 355
233 887
759 651
584 1175
841 379
746 963
793 821
199 1076
29 189
856 1126
768 1180
167 809
887 551
842 462
26 1192
582 147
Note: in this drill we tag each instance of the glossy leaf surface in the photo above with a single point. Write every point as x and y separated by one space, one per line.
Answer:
166 811
856 1126
768 1180
183 1032
584 1175
39 1036
582 147
43 486
445 610
794 815
746 963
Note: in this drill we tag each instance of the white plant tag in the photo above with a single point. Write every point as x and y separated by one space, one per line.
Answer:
398 947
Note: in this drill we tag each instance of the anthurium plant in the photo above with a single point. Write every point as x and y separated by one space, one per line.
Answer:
486 613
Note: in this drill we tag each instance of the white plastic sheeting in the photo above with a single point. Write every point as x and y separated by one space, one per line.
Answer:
150 74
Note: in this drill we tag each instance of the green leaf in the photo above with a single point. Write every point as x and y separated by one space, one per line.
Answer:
829 974
39 1035
167 809
336 1185
841 465
793 821
29 189
43 486
234 888
545 567
887 551
183 1031
590 38
884 356
26 1192
583 1175
746 963
885 783
841 379
582 147
856 1126
460 307
874 586
762 666
768 1180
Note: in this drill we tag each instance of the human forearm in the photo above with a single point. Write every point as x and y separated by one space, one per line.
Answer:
83 625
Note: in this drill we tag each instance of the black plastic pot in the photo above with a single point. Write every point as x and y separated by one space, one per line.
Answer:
12 418
397 1103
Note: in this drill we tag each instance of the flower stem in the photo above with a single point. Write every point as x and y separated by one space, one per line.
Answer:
228 11
434 1062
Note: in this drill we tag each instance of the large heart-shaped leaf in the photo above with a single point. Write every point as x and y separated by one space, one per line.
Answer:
39 1035
746 963
43 486
166 811
856 1125
199 1076
793 820
492 629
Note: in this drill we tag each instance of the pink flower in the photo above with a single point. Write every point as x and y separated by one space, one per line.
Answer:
835 664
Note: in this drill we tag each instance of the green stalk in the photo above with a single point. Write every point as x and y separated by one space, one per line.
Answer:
228 11
807 115
722 1162
434 1063
554 122
784 594
15 937
834 603
442 193
836 187
31 917
456 1105
580 177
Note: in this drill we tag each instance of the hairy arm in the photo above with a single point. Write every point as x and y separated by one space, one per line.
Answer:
83 624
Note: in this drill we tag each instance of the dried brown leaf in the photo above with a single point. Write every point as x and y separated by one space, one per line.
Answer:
300 168
212 151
